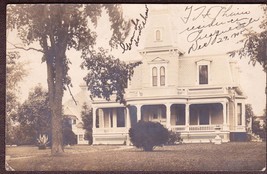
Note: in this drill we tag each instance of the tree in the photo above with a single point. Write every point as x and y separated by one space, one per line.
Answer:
87 118
15 73
58 28
255 46
34 115
107 75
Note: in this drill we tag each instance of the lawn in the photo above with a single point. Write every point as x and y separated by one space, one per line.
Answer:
232 156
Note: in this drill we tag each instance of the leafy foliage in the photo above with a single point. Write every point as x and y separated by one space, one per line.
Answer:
34 115
87 118
35 111
147 135
107 75
257 129
69 137
255 44
174 138
15 73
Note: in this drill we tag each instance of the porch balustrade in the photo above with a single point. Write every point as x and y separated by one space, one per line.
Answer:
196 128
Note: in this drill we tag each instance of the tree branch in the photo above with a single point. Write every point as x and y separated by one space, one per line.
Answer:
71 95
22 48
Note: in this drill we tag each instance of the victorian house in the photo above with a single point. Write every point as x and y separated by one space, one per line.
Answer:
198 96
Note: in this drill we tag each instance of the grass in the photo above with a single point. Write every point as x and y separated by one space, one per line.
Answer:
186 157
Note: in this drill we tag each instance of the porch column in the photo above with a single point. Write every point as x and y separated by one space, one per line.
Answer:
168 115
94 117
128 125
101 118
114 115
128 119
243 114
224 116
227 113
187 112
138 107
224 112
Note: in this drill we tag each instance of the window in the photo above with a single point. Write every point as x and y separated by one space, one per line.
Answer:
239 114
162 76
158 37
81 137
154 76
74 121
203 74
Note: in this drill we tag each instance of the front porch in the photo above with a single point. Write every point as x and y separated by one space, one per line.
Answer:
197 122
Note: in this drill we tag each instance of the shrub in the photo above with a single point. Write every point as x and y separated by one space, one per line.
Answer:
257 129
147 135
69 138
174 138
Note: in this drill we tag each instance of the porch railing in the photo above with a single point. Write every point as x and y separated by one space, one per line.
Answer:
178 128
196 128
204 127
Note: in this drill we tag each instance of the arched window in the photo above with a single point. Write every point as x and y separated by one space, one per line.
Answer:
158 37
154 76
162 76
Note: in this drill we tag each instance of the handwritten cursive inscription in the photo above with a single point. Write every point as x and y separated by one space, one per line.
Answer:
221 24
139 25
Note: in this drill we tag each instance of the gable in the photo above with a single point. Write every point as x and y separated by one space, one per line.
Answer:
158 60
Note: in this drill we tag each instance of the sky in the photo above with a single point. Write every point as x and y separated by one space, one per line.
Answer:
183 18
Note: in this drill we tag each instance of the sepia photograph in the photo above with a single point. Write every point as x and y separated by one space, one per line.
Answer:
136 87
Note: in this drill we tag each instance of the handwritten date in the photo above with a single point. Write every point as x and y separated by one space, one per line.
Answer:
221 24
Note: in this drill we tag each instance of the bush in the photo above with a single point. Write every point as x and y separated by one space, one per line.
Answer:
257 129
174 138
69 138
147 135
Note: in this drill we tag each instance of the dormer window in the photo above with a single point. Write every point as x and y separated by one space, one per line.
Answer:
154 76
158 35
162 76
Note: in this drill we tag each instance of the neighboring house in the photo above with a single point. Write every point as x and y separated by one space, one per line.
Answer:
198 96
73 111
